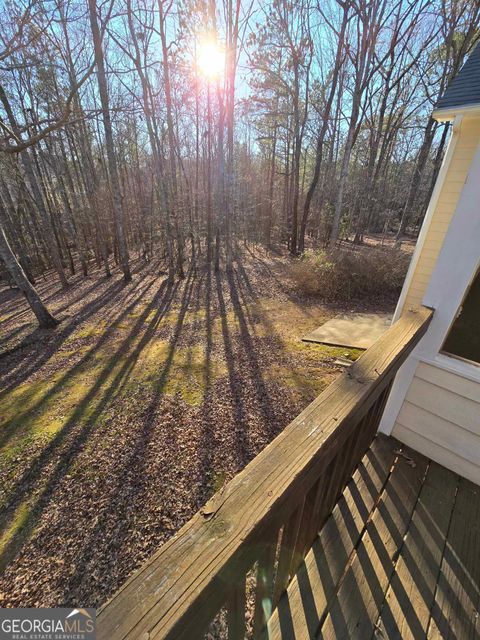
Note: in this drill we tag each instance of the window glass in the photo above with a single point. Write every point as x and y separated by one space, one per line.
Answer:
463 340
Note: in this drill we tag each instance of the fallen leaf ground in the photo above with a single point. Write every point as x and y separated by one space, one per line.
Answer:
118 426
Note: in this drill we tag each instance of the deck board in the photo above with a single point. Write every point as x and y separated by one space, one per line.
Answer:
406 610
398 558
360 595
456 610
312 589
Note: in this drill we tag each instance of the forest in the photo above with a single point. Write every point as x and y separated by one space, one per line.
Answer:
165 167
177 130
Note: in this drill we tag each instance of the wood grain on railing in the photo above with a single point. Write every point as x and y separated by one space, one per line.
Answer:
279 500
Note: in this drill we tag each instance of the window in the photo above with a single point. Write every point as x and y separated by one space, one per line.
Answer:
463 340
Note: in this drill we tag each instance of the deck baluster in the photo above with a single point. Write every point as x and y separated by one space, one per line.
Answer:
287 547
236 612
264 587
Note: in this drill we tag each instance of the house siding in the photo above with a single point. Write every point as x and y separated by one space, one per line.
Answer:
439 413
468 136
440 417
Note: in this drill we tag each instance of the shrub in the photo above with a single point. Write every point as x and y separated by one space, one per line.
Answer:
346 274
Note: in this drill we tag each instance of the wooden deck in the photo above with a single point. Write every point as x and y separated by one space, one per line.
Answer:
399 557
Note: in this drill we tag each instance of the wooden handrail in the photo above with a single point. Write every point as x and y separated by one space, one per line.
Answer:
268 515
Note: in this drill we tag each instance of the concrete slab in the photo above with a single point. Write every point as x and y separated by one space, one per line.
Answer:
353 330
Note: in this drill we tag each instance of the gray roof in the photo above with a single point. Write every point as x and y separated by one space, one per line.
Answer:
464 89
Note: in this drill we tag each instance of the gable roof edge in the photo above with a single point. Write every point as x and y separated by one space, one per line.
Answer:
447 114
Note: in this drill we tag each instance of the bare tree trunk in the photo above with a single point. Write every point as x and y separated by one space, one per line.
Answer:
271 185
416 179
148 108
86 168
14 231
37 195
324 128
171 140
44 317
231 68
74 227
209 178
112 162
337 216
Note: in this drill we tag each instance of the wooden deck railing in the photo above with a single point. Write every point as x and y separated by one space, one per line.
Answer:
263 522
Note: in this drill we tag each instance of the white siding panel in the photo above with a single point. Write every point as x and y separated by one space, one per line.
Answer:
446 434
449 380
457 176
461 165
435 452
446 404
440 417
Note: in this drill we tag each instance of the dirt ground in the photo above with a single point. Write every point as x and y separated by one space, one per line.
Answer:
118 425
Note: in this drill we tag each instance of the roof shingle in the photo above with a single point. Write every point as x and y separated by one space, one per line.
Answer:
464 89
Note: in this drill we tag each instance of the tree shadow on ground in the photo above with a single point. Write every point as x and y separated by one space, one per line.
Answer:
10 426
133 463
38 355
27 481
124 484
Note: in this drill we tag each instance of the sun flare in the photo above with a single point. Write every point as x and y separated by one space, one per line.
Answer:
210 59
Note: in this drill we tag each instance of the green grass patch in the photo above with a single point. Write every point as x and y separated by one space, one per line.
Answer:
14 532
77 394
321 351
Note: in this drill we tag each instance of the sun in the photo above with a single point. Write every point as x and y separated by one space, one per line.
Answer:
210 59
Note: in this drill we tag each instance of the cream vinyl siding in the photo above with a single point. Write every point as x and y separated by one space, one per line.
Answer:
468 136
440 417
434 406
